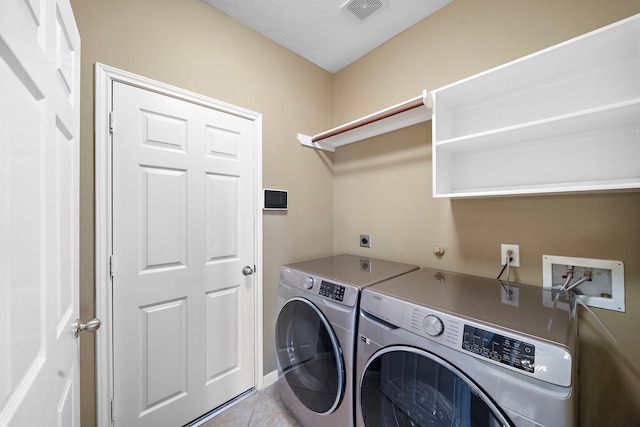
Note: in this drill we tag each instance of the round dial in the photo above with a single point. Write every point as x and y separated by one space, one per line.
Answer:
308 283
433 325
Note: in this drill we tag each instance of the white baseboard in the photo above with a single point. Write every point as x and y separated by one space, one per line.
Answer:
269 379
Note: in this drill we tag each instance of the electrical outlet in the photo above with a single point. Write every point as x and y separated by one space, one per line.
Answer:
515 254
365 240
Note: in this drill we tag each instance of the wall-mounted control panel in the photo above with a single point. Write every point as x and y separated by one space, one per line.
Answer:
275 200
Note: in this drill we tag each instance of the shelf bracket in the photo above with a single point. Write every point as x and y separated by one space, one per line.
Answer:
308 141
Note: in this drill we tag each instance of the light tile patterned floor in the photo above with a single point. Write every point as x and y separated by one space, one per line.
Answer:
264 409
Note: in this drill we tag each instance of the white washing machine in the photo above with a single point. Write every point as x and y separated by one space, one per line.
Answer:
446 349
315 334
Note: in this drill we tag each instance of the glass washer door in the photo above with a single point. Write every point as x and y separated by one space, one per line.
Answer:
405 386
310 356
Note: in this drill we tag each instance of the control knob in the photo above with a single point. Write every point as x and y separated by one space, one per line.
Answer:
308 283
433 325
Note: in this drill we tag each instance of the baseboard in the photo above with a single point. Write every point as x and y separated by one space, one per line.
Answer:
269 379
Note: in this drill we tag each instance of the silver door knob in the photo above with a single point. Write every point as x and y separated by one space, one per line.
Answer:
247 271
91 326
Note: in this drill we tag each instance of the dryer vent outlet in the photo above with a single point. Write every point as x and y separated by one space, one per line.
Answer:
365 240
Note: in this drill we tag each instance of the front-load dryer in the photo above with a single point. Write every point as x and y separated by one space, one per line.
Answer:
446 349
315 334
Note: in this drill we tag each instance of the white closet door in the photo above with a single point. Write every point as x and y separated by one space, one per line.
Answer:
39 137
183 231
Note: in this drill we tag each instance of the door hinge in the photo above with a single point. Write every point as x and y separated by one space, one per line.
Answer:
112 263
113 409
111 120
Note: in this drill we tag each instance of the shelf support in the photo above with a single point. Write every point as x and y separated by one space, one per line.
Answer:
308 141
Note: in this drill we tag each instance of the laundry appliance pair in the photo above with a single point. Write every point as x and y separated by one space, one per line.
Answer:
425 348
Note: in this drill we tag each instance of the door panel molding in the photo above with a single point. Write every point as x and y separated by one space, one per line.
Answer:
105 76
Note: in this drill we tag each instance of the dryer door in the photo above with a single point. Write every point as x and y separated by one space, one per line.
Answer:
405 386
309 356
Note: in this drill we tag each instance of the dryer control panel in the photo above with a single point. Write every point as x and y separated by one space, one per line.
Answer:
331 290
506 350
313 284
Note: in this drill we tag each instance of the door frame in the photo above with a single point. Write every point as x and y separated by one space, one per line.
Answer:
105 76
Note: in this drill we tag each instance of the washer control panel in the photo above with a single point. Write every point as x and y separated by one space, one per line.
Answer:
503 349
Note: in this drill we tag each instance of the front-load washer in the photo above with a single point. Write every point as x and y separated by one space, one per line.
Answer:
445 349
315 334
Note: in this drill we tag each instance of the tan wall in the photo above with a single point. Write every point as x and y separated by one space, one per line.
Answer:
193 46
382 185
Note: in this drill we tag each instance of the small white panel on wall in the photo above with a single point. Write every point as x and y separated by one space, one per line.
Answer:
603 283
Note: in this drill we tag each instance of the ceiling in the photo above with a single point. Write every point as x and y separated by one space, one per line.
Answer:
330 33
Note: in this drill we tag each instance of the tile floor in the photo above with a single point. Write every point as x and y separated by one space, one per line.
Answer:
264 409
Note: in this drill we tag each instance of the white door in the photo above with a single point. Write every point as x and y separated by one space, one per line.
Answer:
183 231
39 137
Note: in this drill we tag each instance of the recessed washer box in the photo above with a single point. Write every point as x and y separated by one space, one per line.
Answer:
604 288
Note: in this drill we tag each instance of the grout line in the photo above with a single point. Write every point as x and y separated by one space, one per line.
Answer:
253 411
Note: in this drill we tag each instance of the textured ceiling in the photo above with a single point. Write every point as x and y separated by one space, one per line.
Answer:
324 32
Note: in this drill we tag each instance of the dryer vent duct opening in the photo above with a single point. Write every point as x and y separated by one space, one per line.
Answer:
362 9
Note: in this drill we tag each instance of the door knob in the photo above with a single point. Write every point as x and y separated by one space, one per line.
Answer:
91 326
247 271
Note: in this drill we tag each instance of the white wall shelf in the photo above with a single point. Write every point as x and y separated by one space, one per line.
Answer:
410 112
565 119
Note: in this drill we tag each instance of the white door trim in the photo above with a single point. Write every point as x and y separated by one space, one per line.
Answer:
104 78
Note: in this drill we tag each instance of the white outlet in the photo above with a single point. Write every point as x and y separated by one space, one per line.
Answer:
515 254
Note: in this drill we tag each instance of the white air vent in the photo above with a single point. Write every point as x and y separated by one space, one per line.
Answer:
362 8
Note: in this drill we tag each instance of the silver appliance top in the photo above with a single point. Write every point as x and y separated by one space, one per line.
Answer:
521 309
353 270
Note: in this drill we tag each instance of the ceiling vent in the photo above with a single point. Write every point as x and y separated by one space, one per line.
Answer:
362 9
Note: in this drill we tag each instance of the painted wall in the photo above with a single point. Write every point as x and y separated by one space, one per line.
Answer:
382 186
193 46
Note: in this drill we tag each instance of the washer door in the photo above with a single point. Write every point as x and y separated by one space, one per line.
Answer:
309 356
405 386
